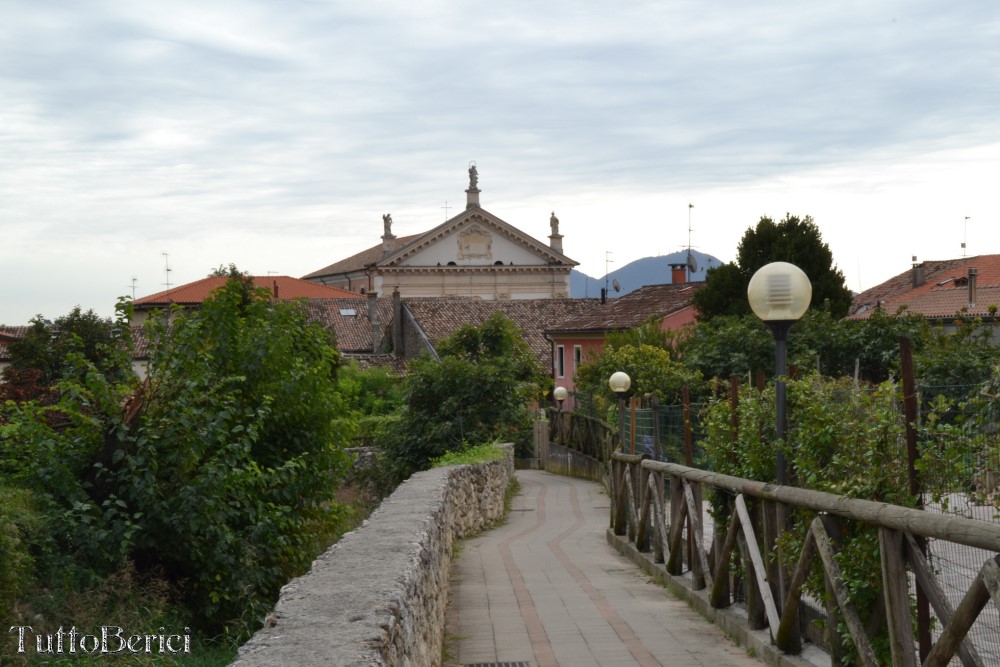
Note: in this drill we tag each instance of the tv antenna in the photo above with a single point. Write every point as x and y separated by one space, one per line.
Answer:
692 265
134 279
616 286
606 262
965 236
166 266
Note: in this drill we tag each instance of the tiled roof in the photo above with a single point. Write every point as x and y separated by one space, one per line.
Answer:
9 334
288 288
348 319
943 293
440 317
633 308
362 259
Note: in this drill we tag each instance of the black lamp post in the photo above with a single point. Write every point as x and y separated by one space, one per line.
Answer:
779 294
560 394
619 383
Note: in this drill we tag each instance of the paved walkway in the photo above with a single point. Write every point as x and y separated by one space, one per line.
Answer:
546 589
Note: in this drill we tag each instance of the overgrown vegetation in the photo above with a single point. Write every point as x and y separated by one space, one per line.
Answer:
188 499
480 391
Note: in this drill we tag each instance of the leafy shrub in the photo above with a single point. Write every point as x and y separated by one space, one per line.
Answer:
478 392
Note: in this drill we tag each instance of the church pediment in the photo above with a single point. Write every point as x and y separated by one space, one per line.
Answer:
475 238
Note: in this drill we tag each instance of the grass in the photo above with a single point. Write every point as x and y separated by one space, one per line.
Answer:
477 454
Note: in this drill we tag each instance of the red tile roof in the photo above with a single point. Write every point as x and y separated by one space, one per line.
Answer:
632 309
348 319
440 317
287 288
364 258
9 334
942 294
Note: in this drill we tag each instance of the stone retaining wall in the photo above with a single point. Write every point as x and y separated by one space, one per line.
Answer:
378 596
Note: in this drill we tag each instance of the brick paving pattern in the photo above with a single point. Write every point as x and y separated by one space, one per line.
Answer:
546 589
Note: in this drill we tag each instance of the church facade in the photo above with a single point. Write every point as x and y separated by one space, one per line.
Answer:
473 254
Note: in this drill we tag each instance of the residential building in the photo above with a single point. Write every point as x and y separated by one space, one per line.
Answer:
190 295
939 290
575 340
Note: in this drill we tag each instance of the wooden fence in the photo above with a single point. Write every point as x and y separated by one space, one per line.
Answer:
672 529
583 433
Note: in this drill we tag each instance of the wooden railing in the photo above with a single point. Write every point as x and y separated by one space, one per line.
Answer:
672 529
588 435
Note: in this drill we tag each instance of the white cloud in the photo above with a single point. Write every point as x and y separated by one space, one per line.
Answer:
275 134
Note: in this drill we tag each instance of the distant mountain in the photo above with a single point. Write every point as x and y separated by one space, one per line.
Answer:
645 271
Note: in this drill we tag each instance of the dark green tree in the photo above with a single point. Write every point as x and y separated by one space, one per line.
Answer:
479 392
793 239
46 346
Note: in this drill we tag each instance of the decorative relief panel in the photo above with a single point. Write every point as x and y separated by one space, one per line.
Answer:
475 243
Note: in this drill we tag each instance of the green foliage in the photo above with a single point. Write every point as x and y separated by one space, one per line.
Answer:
963 356
841 440
45 353
223 472
793 239
484 453
237 453
651 369
728 345
478 392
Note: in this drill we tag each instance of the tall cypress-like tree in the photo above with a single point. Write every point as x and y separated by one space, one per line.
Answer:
793 239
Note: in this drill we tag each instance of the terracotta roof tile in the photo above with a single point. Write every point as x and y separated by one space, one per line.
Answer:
633 308
199 290
348 319
441 317
362 259
943 293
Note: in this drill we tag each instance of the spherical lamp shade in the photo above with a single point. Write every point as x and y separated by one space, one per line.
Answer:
620 382
779 291
560 394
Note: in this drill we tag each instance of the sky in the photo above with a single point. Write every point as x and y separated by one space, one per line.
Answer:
137 136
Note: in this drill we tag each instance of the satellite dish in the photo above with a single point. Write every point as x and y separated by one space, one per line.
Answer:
692 264
616 286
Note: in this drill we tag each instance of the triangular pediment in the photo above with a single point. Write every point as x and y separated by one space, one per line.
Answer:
475 237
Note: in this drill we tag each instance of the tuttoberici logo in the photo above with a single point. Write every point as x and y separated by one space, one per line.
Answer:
108 640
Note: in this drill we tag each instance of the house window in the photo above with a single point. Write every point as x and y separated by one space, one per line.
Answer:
577 357
560 361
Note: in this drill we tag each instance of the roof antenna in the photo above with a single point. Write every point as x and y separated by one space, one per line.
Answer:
965 235
692 265
606 262
134 279
166 264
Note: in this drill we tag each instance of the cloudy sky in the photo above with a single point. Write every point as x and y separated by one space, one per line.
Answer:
274 134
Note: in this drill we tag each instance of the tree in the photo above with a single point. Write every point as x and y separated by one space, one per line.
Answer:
46 346
793 240
478 392
219 474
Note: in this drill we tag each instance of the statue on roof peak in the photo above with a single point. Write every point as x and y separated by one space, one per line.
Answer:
387 224
473 177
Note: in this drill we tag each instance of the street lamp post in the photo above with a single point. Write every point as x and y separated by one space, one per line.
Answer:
560 394
779 294
619 383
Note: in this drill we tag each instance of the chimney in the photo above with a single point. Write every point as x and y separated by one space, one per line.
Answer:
918 273
604 295
275 290
373 320
973 272
678 274
397 324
